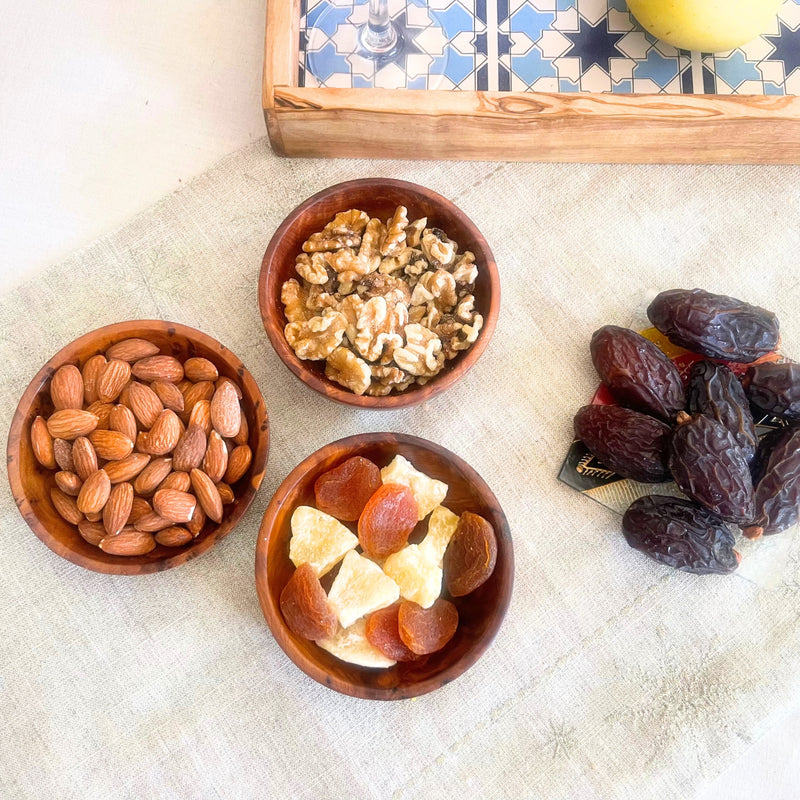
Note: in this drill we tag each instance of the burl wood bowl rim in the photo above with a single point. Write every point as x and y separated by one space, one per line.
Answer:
355 192
160 558
313 666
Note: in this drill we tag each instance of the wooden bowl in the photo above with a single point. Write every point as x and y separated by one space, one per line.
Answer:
31 483
378 197
480 613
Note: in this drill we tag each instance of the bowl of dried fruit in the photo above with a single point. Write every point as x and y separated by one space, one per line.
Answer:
137 447
384 566
378 293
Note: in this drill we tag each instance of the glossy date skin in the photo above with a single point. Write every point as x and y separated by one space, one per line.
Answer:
710 468
775 388
631 444
715 391
637 373
715 325
680 534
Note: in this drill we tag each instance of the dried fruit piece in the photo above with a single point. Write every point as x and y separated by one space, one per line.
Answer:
360 587
66 388
118 508
318 539
66 506
426 630
441 527
84 457
131 349
42 444
775 388
207 495
154 368
94 492
417 575
113 378
714 325
305 607
715 391
174 536
91 372
200 369
428 492
471 555
238 463
631 444
351 645
387 520
174 505
71 423
777 497
343 491
383 632
130 542
636 372
680 534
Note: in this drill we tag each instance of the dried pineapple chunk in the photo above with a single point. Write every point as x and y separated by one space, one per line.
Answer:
417 575
428 492
360 588
318 539
441 527
351 645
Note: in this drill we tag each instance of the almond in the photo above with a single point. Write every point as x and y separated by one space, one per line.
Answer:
66 388
84 457
197 392
151 523
62 450
174 536
152 475
207 495
91 375
103 413
94 516
118 508
144 403
244 431
190 450
177 480
69 483
42 443
169 394
158 368
123 420
200 369
226 415
126 469
174 505
164 434
238 463
201 416
215 461
113 378
196 523
110 445
132 349
236 388
225 493
139 508
124 398
71 423
129 542
92 532
94 492
65 506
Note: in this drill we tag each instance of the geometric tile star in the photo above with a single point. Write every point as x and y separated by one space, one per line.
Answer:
594 44
787 48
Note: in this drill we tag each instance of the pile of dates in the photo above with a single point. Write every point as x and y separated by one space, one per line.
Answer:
701 435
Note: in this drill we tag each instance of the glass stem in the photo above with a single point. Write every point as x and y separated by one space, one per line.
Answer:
379 36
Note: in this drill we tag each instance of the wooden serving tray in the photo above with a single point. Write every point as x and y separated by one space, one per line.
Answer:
615 111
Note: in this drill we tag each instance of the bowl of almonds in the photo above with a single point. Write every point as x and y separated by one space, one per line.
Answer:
379 293
137 447
384 566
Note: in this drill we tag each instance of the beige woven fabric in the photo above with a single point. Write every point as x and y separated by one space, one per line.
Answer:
612 677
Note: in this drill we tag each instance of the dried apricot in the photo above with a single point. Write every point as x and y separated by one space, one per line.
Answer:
305 607
471 555
343 491
426 630
387 520
383 632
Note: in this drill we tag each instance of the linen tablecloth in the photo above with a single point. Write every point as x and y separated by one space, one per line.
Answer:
612 676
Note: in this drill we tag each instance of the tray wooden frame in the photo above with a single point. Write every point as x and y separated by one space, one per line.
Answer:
514 126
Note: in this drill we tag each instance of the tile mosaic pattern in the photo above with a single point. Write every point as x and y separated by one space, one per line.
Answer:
539 45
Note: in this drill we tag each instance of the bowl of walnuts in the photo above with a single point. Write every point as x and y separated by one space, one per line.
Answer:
378 293
137 447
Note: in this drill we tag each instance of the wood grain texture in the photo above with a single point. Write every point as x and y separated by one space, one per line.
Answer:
378 197
535 127
31 483
480 613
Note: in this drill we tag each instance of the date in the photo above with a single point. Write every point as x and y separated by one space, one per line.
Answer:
680 534
631 444
636 372
775 388
716 392
715 325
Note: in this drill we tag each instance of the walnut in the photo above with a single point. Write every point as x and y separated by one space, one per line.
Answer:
395 290
351 307
465 310
456 335
351 265
349 223
417 313
421 295
379 329
317 337
422 354
387 379
312 267
391 264
324 241
414 231
464 271
346 368
395 239
319 299
293 297
442 286
438 249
